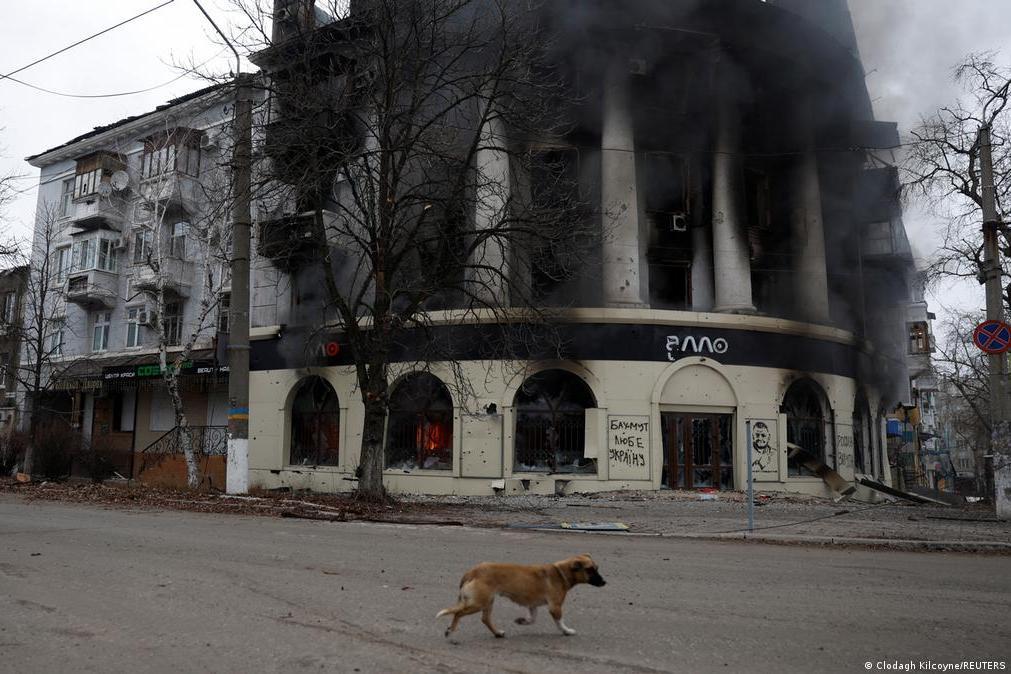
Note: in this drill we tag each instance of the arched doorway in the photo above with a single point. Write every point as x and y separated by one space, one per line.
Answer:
805 423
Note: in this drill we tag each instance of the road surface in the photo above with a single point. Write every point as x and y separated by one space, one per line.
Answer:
87 589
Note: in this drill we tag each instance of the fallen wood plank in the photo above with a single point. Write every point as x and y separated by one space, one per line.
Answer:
834 480
898 493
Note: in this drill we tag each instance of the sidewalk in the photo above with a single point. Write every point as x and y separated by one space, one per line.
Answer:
781 518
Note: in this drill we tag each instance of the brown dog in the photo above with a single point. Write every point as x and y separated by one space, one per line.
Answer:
530 586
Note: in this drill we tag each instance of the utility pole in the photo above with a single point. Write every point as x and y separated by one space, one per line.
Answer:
237 471
1000 431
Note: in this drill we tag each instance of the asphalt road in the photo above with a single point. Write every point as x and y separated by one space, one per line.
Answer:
85 589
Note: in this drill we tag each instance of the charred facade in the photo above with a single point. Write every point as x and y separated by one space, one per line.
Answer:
746 267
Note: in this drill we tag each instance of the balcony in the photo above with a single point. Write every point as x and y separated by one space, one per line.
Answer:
97 212
177 274
93 289
289 240
178 191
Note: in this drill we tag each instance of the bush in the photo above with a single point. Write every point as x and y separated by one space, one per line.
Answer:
12 451
55 447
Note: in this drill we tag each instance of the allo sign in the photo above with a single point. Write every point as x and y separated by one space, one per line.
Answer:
680 345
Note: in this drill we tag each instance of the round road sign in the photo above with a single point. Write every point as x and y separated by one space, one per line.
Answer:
992 336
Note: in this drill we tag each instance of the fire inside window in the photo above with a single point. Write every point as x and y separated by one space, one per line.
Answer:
919 338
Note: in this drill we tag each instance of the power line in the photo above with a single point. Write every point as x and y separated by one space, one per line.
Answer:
114 95
79 42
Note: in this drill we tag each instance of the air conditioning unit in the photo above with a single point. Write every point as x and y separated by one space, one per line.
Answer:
121 243
210 140
147 317
678 222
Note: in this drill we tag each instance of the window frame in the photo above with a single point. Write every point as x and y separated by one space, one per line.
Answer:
133 328
101 325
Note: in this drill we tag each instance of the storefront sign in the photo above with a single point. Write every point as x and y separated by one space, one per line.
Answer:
628 447
690 345
152 370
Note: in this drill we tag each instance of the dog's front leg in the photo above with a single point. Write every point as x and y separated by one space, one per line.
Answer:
556 613
529 620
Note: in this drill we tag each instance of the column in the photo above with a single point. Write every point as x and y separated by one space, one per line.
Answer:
810 277
702 248
619 197
731 253
488 266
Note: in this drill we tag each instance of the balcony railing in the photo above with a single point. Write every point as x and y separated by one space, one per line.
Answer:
93 288
176 273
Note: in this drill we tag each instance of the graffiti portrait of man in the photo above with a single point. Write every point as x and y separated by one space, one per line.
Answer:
763 454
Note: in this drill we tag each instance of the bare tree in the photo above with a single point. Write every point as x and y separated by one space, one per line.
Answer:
43 327
942 164
963 370
180 248
416 163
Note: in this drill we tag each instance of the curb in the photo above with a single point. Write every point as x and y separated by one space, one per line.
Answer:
911 545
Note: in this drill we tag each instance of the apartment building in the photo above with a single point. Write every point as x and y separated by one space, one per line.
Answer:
133 220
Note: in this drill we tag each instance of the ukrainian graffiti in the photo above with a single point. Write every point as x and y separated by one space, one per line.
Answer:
628 447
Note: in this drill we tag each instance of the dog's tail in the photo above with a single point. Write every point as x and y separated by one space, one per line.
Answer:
448 611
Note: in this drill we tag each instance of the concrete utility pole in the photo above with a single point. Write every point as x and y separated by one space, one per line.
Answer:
237 472
1000 419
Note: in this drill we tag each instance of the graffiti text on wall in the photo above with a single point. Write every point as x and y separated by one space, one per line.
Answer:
628 447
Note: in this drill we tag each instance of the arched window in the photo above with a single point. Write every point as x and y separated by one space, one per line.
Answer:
420 430
551 423
805 422
315 424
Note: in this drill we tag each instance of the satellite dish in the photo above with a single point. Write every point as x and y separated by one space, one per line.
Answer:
119 180
104 189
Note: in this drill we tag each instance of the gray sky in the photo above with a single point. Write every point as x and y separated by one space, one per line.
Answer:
908 48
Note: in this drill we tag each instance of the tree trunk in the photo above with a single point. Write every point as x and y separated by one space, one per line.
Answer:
370 481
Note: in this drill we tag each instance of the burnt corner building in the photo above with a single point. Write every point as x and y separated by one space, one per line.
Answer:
749 285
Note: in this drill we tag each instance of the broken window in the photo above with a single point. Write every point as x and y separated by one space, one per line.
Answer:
805 423
551 424
920 340
315 424
420 429
667 199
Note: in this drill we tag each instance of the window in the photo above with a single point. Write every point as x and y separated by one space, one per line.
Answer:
62 264
420 429
56 337
107 255
919 338
133 328
315 424
805 423
141 246
67 198
173 323
100 336
7 308
551 423
86 184
84 255
5 363
158 161
224 305
177 241
863 436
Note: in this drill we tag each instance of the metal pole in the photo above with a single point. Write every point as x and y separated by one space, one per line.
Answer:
994 311
751 477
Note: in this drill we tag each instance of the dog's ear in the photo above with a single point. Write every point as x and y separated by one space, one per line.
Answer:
587 555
